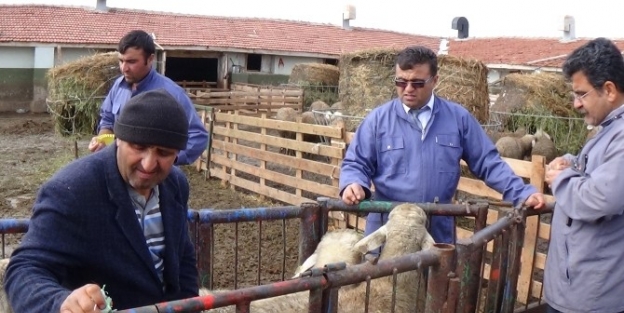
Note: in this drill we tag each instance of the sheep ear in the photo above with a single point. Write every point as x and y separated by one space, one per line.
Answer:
427 242
372 241
307 264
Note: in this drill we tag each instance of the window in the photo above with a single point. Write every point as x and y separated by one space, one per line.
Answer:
331 61
254 62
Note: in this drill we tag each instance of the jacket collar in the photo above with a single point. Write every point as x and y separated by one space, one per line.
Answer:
127 220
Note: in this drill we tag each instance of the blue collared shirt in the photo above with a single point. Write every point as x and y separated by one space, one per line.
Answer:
121 92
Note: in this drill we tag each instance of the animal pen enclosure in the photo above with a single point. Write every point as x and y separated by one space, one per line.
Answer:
455 272
245 154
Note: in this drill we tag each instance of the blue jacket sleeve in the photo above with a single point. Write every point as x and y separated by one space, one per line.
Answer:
360 160
485 162
198 135
107 119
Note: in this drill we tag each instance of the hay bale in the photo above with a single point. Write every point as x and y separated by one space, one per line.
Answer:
541 101
314 74
366 82
465 82
543 91
76 91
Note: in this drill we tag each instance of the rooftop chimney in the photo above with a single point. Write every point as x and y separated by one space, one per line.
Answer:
460 24
101 6
347 15
443 50
569 29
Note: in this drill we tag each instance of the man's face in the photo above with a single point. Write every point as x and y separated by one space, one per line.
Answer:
416 93
144 167
589 101
134 65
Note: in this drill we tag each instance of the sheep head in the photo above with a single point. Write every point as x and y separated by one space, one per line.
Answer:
335 246
408 219
527 142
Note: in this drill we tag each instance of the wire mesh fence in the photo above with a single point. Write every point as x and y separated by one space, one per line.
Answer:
568 133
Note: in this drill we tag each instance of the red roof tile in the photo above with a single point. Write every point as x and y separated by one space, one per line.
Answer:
538 52
79 25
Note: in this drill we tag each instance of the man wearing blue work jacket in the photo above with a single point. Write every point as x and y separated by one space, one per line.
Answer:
411 146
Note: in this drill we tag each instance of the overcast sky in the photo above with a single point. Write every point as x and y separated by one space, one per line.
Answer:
487 18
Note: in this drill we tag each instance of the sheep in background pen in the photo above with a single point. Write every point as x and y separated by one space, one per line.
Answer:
404 233
318 105
496 135
288 115
515 148
544 146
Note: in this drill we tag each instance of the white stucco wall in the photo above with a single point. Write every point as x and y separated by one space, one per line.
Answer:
17 57
44 57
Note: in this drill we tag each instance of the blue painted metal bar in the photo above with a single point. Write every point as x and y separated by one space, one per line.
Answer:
14 225
249 214
469 209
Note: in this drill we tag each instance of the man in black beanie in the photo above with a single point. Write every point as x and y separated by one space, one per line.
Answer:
116 218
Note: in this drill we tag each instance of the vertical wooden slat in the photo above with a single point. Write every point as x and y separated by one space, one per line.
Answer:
530 236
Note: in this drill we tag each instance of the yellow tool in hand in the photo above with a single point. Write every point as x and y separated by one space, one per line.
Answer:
106 139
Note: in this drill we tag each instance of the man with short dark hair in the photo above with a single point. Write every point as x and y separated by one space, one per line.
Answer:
116 218
410 149
136 55
584 271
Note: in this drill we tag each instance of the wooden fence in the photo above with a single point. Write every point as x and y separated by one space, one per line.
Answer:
249 101
246 154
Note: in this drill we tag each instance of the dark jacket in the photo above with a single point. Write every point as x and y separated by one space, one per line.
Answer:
84 230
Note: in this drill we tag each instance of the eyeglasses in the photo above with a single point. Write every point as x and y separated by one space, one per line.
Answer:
417 83
580 98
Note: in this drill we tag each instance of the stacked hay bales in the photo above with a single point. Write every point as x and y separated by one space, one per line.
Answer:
76 91
318 81
541 101
314 73
366 82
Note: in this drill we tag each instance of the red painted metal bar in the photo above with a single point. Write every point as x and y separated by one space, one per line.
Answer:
467 271
498 272
309 230
409 262
233 297
438 279
453 294
515 248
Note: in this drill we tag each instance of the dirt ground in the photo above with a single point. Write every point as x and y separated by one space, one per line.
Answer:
30 153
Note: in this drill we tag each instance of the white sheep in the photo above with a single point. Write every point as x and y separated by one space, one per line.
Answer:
335 246
404 233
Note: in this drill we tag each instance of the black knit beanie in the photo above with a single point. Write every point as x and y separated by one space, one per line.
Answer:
153 118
